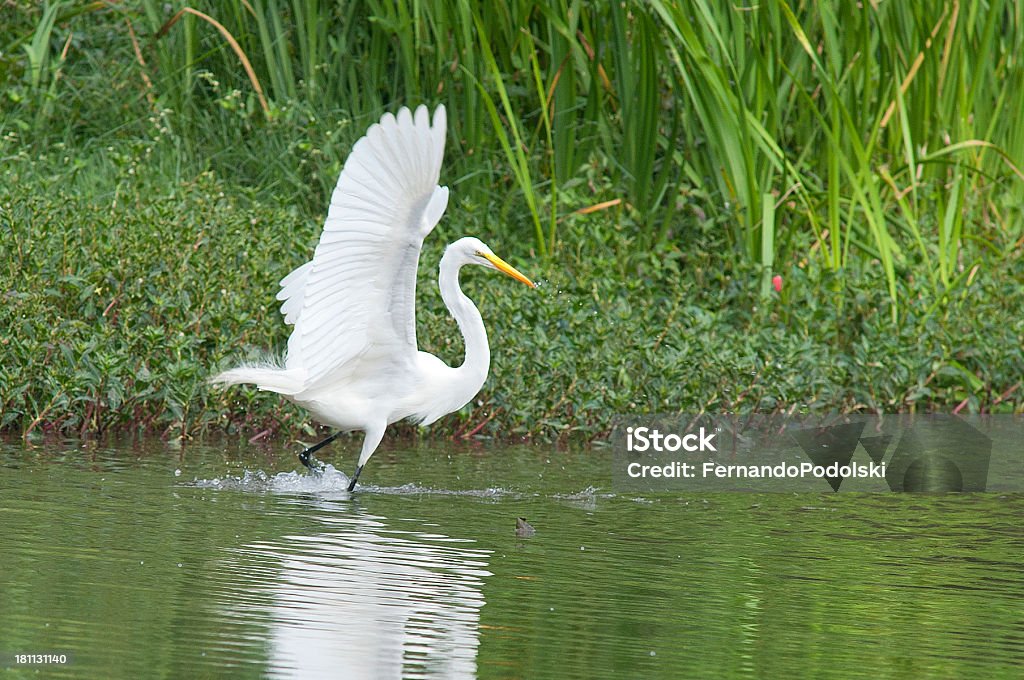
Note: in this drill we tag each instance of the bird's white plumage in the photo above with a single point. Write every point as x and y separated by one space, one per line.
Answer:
352 359
359 290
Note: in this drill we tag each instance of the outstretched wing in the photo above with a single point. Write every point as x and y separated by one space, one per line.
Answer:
356 298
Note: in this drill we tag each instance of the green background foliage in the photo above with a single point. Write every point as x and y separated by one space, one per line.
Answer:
653 163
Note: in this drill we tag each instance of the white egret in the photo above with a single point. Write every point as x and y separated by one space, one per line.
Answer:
352 358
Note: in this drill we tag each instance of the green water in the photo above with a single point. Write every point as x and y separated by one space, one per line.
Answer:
147 561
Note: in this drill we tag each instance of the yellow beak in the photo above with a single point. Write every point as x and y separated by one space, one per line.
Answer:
505 267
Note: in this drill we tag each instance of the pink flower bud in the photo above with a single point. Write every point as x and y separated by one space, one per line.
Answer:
777 283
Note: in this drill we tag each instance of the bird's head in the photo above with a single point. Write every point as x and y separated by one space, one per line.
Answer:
472 250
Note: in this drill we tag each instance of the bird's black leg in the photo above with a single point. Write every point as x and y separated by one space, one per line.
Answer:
306 457
352 484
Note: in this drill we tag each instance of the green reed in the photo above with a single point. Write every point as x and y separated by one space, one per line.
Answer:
813 134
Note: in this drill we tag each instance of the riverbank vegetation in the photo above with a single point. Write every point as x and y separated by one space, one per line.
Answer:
656 165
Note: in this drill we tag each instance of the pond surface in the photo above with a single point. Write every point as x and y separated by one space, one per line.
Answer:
146 560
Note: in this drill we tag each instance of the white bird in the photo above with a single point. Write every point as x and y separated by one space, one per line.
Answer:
352 358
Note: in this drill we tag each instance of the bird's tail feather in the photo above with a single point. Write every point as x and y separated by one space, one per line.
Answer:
270 378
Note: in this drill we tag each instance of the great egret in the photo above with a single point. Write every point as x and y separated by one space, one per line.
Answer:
352 359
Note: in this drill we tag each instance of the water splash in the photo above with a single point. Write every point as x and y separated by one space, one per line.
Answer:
329 480
414 489
587 494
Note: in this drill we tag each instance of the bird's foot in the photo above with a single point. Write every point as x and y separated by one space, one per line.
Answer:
315 467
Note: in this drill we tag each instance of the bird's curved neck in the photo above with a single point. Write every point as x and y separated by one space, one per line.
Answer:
478 353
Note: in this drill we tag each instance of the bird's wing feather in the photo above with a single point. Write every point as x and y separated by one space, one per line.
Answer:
356 298
291 293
